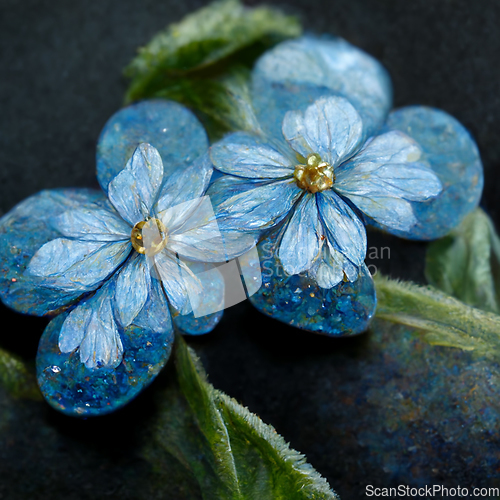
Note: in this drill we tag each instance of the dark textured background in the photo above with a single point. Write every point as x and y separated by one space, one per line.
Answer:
61 80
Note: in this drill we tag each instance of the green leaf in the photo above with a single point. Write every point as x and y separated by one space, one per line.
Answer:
223 103
17 378
203 39
466 263
230 451
445 320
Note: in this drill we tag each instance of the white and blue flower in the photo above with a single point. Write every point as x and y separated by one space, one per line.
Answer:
118 269
317 184
135 241
321 156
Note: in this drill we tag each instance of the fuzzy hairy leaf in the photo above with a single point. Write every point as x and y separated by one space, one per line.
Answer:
445 320
17 378
208 36
230 451
466 263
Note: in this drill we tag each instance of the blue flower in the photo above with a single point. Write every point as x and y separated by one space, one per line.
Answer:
118 271
323 155
134 242
312 182
295 73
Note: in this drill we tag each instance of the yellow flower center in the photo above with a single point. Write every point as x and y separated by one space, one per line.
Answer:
149 236
315 176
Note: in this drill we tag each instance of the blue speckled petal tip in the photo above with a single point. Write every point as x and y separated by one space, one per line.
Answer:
297 300
76 390
190 325
168 126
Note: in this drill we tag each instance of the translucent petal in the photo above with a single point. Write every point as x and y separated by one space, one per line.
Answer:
171 128
301 242
332 268
175 216
453 155
298 300
91 327
199 237
102 346
343 228
199 240
185 185
77 265
330 271
73 388
133 285
134 190
74 328
259 208
25 229
296 72
251 156
330 127
197 280
206 312
388 171
168 269
93 225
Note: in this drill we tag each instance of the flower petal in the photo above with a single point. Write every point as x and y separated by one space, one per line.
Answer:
74 328
330 271
204 285
298 300
301 242
207 312
102 346
79 390
186 185
332 268
251 156
170 127
330 127
387 172
228 186
155 315
134 190
91 327
168 268
174 217
25 229
343 228
199 237
77 265
132 288
296 72
93 225
208 243
259 208
453 156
